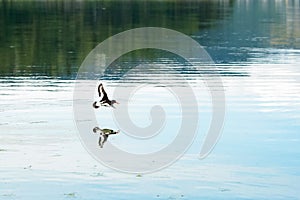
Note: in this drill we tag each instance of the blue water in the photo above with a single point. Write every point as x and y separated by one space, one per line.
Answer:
256 49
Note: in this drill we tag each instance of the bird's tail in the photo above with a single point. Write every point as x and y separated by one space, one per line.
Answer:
95 129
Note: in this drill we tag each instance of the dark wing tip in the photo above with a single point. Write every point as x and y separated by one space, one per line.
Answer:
100 87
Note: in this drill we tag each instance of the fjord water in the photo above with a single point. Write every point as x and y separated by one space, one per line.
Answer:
256 48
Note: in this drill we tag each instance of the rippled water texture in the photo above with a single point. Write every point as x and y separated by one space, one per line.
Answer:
256 48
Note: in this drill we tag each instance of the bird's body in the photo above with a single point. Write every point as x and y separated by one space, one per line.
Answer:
104 133
105 101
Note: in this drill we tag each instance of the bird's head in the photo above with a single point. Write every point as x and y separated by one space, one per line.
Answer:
114 102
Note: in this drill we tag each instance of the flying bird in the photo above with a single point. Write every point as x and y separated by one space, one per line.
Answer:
105 101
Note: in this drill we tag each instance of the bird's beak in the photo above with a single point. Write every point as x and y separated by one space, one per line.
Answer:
117 102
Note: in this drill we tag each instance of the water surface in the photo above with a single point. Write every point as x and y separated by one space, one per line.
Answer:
256 47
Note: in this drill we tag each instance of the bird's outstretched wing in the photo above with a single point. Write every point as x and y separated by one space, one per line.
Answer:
102 92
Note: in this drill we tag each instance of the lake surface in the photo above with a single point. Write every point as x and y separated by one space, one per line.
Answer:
256 48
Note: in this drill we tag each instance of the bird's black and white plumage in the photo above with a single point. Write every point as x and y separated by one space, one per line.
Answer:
104 133
105 101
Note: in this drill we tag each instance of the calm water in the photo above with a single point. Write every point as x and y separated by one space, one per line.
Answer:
256 46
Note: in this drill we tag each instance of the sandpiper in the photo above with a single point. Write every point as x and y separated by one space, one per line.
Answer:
105 101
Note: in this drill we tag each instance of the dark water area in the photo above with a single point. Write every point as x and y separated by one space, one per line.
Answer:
52 38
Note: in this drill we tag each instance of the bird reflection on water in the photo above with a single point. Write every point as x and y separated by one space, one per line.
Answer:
104 133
